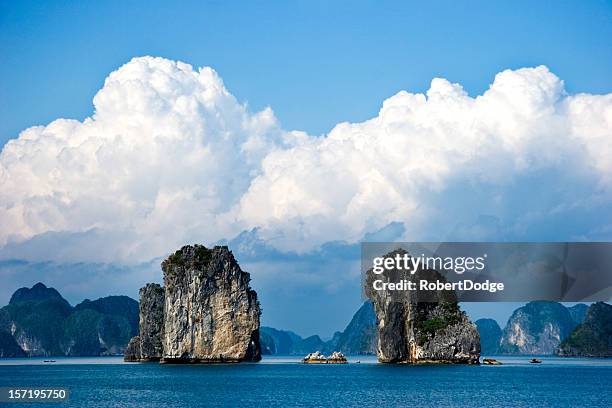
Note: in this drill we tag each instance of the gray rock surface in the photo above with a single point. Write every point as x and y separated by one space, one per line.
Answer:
132 351
416 332
536 328
211 314
147 346
151 321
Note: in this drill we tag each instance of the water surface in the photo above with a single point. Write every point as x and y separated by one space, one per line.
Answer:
283 381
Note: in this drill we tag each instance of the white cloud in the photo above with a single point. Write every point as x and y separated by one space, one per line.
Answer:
170 156
406 164
167 150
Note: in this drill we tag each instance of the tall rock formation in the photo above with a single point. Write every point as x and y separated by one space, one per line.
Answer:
490 336
536 328
148 345
206 312
592 338
211 314
410 331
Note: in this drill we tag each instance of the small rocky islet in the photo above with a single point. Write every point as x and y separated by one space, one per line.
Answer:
318 358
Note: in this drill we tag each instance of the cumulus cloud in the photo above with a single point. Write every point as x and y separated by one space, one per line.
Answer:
170 156
438 160
167 151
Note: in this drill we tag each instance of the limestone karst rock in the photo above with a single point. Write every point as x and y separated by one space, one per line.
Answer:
132 351
410 331
209 314
593 337
536 328
147 345
490 336
38 321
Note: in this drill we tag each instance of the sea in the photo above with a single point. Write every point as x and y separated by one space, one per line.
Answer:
282 381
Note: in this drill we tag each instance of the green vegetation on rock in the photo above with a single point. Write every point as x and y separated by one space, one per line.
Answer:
40 322
592 338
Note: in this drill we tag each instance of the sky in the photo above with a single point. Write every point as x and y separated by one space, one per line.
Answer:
510 142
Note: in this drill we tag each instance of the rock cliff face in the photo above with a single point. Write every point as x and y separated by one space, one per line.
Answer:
148 345
205 313
416 332
536 328
211 314
592 338
132 351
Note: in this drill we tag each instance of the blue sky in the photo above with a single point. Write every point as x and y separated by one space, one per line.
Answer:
316 65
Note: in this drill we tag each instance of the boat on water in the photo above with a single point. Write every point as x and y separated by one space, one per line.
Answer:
535 361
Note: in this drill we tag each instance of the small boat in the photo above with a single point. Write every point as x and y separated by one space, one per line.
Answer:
535 361
48 361
491 361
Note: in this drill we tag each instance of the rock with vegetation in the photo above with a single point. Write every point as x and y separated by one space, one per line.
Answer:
410 331
101 327
360 336
211 314
578 312
536 328
36 318
592 338
313 342
490 336
9 347
281 342
267 344
42 323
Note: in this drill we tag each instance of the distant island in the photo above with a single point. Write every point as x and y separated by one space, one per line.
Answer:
549 328
38 321
591 338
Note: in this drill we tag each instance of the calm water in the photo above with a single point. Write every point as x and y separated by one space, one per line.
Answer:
279 381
